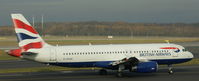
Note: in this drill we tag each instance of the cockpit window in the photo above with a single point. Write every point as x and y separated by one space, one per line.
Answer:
184 50
178 50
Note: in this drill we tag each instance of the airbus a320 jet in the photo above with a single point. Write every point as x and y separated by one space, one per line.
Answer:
140 58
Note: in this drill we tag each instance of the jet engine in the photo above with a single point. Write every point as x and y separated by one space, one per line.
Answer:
145 67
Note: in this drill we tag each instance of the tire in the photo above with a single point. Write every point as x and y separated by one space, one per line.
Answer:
102 72
119 74
170 72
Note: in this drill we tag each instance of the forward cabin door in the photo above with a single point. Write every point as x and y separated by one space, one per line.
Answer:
175 52
53 55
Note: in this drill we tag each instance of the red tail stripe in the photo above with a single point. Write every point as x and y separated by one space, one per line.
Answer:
20 24
32 45
168 48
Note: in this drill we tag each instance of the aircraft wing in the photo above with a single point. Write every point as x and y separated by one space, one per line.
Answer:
132 61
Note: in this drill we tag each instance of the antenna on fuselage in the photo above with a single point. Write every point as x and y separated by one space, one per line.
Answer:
167 41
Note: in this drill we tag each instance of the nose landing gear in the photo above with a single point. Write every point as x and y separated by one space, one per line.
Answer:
170 71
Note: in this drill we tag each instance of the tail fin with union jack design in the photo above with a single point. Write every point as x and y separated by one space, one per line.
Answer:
28 37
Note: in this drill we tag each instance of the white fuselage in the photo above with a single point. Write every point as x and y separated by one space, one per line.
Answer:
102 53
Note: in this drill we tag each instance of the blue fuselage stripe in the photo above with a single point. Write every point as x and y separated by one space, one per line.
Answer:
105 64
172 61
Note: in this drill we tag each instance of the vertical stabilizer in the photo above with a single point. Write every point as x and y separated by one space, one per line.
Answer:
28 37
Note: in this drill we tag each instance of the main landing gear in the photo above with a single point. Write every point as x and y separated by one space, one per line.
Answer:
170 71
120 70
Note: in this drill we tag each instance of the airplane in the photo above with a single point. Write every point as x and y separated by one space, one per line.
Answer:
139 58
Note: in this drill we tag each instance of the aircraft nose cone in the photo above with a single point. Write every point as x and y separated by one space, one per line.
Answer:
190 55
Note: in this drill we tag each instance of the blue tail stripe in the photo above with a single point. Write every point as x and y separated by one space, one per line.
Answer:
22 36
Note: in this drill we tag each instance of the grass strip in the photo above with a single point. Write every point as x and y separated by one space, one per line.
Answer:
102 40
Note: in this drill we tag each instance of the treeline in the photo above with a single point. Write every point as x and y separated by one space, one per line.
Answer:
112 28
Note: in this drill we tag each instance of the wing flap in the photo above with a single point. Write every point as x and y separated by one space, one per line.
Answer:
126 61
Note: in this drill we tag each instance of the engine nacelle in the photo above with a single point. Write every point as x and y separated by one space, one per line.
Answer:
146 67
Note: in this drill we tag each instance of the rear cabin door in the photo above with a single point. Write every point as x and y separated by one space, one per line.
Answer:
53 55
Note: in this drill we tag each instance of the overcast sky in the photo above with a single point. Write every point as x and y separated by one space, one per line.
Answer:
147 11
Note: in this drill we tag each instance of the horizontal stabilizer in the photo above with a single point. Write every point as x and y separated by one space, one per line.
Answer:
29 53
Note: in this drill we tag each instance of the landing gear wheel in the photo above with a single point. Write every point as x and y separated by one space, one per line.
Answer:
102 72
119 74
170 72
120 70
